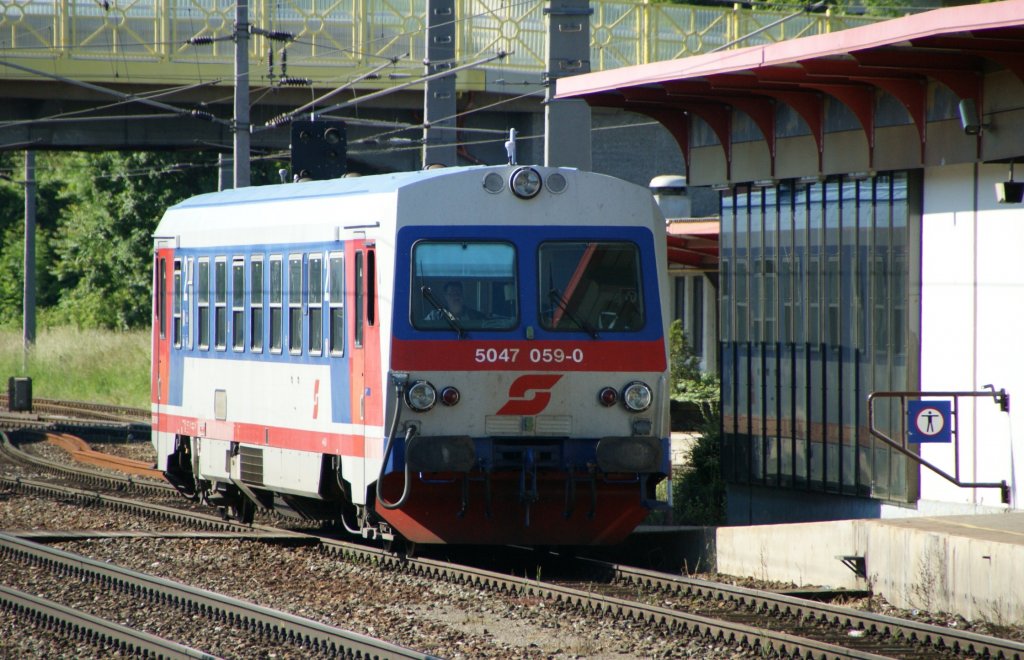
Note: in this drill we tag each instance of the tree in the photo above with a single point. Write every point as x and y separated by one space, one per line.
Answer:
12 235
104 238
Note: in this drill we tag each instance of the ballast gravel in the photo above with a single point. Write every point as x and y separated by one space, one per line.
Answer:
439 618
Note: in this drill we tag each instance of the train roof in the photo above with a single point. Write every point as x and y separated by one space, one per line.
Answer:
320 210
377 183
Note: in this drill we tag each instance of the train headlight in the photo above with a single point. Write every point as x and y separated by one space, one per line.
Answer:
421 396
637 396
450 396
608 396
525 182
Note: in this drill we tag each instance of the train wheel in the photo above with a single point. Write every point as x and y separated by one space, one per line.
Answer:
242 510
399 545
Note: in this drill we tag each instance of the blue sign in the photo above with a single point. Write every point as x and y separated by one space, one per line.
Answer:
929 421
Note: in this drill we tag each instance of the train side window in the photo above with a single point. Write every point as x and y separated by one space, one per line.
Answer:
336 298
177 296
203 303
358 321
220 303
295 304
256 304
161 296
316 304
276 299
238 304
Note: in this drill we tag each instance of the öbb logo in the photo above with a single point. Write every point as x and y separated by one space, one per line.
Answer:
530 394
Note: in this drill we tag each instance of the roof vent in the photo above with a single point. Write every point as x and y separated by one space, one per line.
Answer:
670 193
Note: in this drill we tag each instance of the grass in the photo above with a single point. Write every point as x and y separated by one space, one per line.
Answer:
100 366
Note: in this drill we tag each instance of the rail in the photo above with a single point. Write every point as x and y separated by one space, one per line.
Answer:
305 632
126 640
886 630
144 41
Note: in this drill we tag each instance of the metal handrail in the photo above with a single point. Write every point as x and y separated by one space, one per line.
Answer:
144 41
1001 398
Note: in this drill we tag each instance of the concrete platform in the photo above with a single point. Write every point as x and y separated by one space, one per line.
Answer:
967 565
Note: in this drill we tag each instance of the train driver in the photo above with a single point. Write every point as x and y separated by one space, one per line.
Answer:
453 302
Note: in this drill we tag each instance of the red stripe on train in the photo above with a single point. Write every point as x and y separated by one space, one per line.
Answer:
278 437
524 355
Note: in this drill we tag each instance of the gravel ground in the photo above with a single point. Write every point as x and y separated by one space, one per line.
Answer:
443 619
447 620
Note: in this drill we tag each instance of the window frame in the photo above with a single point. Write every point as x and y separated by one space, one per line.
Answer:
482 288
315 301
276 320
220 303
255 297
177 300
358 316
203 304
238 304
296 303
335 301
161 295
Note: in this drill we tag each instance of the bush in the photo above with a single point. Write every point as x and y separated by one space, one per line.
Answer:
698 490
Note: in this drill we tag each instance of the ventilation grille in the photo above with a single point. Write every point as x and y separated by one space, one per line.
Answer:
250 464
516 425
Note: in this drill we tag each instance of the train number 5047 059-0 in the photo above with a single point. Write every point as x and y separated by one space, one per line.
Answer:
534 355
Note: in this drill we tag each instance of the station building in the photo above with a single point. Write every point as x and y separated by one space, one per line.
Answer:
871 248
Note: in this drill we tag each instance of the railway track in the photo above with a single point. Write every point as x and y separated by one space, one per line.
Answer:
774 623
83 409
856 629
149 591
808 629
43 613
148 485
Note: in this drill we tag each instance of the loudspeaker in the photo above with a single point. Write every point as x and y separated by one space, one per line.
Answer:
1010 192
969 117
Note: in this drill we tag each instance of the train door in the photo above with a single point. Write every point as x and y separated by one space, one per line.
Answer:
366 395
165 271
358 361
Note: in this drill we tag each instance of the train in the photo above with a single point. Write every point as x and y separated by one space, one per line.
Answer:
458 355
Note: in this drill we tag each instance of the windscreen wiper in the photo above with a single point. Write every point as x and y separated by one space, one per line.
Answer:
555 296
443 311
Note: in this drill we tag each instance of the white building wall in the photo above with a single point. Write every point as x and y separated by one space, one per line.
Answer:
972 331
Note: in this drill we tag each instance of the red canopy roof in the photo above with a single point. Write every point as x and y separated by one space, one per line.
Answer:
953 46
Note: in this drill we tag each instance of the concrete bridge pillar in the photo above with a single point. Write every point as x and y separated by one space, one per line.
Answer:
439 134
567 122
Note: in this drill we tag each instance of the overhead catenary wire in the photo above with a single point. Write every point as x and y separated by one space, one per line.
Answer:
288 116
111 92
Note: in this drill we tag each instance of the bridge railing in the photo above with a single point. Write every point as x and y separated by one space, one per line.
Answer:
144 41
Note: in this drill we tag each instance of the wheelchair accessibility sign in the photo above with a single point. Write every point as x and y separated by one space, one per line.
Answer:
929 421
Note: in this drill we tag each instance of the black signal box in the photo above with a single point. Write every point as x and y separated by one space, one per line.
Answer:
318 149
19 394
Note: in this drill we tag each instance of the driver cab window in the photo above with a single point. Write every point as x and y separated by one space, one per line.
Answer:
590 286
467 285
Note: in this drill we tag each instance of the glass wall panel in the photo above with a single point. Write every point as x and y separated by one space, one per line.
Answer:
814 294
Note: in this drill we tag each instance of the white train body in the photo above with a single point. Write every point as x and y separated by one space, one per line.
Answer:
301 330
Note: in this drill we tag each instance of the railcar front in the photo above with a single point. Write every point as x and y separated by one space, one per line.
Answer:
528 359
